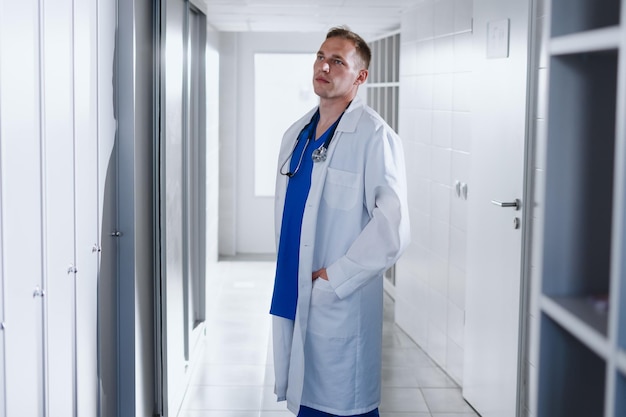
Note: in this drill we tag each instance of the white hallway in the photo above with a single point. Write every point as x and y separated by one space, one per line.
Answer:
233 373
87 282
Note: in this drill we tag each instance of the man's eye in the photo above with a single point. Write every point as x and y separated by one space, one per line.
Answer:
319 57
338 62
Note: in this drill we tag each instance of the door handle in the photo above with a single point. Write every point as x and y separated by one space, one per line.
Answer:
517 204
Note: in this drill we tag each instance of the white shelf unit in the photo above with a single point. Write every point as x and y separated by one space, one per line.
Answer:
588 41
582 345
383 84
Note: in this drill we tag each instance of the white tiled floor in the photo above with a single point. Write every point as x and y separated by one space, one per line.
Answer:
232 375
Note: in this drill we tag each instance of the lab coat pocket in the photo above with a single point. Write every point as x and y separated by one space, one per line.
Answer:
341 189
329 314
331 370
323 294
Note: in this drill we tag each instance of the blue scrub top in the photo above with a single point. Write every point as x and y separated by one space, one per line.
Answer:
285 295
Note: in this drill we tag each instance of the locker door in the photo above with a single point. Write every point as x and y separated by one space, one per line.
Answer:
86 204
21 211
58 219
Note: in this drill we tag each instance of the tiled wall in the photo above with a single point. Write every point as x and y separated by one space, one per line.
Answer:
435 106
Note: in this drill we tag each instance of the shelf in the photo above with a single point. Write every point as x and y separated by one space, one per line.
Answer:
620 396
580 318
571 16
579 173
582 358
590 41
621 361
572 377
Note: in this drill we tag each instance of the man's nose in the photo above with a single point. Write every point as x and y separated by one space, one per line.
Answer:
325 67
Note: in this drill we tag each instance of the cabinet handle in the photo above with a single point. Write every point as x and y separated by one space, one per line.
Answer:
517 204
38 292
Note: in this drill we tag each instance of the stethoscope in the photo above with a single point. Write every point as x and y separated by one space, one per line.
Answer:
320 154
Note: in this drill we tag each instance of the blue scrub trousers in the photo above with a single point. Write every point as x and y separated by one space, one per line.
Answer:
309 412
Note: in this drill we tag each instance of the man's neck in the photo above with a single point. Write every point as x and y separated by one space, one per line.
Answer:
330 110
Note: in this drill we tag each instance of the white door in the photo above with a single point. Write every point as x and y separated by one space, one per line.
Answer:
493 287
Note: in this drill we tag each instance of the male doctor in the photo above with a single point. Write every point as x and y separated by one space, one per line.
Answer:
341 222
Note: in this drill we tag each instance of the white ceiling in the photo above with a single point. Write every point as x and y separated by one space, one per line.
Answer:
369 18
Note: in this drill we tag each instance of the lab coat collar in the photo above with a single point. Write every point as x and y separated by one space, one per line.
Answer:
351 117
349 120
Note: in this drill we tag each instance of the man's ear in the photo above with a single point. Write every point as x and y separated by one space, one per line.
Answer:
362 77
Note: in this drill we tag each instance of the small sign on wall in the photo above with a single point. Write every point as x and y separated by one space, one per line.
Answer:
498 39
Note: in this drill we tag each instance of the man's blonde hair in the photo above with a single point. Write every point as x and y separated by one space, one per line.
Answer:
362 48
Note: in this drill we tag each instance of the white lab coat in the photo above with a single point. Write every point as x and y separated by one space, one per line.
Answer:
355 225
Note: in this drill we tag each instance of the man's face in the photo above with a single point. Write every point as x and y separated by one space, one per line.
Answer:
338 70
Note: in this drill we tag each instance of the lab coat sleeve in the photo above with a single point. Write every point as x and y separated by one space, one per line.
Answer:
282 334
386 235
